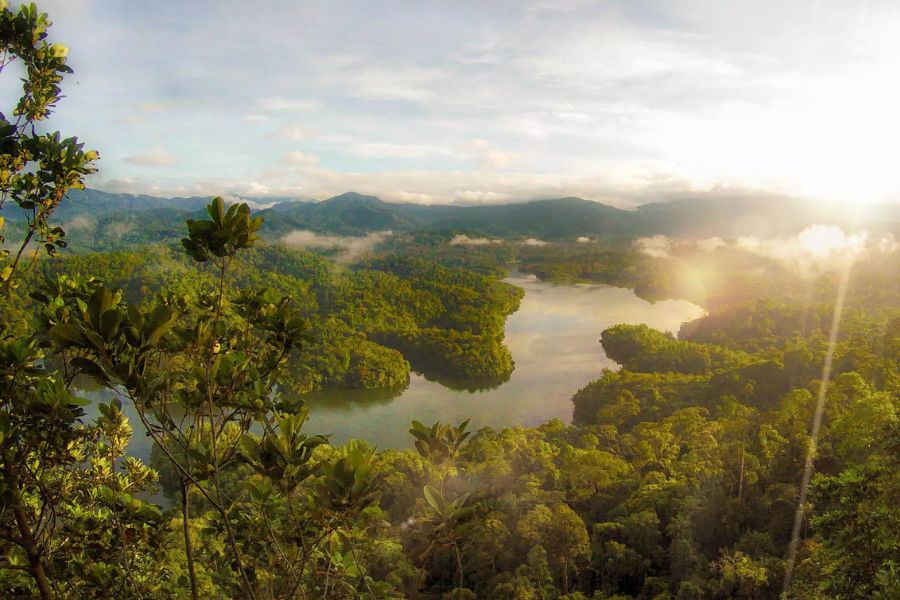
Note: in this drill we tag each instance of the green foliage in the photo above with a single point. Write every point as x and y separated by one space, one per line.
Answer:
223 234
37 170
640 348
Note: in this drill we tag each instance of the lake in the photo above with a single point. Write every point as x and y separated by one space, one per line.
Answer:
554 340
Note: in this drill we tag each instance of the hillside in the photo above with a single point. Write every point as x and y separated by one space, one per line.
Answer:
97 219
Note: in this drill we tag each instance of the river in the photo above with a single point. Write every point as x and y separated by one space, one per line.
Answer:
554 340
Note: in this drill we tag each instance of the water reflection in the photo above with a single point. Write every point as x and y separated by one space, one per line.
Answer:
554 340
345 400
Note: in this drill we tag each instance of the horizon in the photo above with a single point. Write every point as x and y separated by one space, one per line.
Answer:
624 104
744 196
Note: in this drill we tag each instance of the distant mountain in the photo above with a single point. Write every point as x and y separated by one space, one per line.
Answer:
103 219
95 203
347 214
760 216
353 213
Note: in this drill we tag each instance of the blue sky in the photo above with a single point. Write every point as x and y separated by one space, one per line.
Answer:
623 102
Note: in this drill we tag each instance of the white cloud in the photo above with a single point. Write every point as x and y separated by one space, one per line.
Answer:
817 245
117 230
711 244
156 157
534 242
657 246
397 83
594 100
888 244
489 158
156 106
294 133
481 197
281 103
464 240
349 248
78 222
300 159
384 150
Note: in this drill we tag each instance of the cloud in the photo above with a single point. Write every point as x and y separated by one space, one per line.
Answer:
282 104
658 246
349 248
117 230
815 246
464 240
294 133
595 100
251 203
383 150
534 242
79 222
300 159
488 157
156 106
395 83
481 197
711 244
156 157
888 244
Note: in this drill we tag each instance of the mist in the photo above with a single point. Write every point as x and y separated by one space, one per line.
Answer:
347 249
464 240
815 246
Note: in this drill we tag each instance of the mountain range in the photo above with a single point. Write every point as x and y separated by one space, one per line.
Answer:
96 215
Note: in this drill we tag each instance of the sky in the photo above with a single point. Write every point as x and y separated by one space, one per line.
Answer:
488 101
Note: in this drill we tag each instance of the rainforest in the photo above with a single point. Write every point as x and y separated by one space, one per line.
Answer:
220 397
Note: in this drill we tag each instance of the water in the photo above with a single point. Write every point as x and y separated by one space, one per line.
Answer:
554 340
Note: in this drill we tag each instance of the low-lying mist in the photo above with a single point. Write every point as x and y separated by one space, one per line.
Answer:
816 246
347 249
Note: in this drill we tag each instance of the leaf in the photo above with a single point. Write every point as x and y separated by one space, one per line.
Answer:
216 210
433 498
459 502
66 335
161 319
89 367
5 427
109 324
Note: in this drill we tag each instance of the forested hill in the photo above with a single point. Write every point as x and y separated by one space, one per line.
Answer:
547 219
102 215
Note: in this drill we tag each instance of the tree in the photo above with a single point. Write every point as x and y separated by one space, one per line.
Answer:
740 576
37 170
37 414
562 533
855 545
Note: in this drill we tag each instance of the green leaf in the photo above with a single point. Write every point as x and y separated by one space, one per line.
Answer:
5 427
433 498
67 335
90 368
